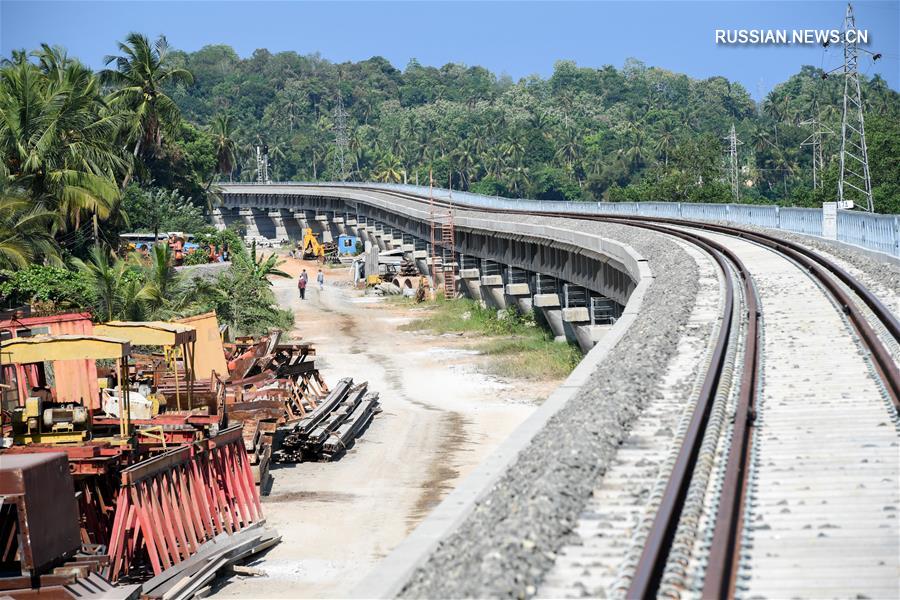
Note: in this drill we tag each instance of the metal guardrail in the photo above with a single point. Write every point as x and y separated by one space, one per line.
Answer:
880 233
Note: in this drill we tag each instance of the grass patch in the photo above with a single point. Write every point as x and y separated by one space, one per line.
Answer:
519 347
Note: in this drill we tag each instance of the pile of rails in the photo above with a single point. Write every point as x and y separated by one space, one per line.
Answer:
327 431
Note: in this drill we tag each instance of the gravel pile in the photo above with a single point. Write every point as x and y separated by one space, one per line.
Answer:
507 544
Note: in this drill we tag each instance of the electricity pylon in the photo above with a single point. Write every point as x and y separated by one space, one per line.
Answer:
815 140
262 163
341 139
733 170
855 183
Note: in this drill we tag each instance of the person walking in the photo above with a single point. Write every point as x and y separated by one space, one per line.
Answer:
320 277
301 284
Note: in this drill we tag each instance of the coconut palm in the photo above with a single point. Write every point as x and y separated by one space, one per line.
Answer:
223 133
139 79
388 169
115 287
25 229
569 148
56 137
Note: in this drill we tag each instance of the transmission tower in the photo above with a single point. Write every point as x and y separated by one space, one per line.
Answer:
855 184
815 140
341 139
262 163
733 170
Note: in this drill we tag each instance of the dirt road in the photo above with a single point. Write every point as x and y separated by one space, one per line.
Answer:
441 417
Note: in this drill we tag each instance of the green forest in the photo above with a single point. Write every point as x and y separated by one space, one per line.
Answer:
88 155
635 133
141 144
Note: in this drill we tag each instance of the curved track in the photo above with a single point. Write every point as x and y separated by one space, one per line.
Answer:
784 481
806 497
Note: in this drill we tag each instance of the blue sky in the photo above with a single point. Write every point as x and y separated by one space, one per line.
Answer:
515 38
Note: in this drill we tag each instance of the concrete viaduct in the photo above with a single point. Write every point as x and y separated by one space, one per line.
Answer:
578 285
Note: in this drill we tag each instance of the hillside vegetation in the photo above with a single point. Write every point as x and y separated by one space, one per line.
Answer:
636 133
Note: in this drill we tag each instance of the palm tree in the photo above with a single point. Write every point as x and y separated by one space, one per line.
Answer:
666 140
388 169
25 236
495 161
223 132
264 267
466 161
109 280
569 148
141 75
56 137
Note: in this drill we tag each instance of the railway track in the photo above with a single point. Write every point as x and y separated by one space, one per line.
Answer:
797 495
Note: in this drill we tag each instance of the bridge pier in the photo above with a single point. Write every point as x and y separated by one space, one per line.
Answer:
492 288
471 279
547 306
378 236
278 220
338 224
518 289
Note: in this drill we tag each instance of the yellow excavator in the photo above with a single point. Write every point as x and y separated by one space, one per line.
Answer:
311 248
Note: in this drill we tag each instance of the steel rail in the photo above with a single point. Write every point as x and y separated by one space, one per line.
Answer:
719 580
654 556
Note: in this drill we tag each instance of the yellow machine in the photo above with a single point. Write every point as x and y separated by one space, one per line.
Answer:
373 280
44 421
312 249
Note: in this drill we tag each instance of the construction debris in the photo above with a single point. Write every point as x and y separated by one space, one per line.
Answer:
150 470
332 426
222 553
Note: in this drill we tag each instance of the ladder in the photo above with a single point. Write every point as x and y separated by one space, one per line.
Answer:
443 245
448 262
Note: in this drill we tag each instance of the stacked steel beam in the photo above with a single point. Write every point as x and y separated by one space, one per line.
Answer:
324 433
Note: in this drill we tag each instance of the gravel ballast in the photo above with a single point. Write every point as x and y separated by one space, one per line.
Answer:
507 544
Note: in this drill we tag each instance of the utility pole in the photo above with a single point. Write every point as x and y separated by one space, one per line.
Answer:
855 183
815 140
733 170
341 139
262 163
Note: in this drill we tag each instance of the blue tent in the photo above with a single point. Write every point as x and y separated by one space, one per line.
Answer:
347 244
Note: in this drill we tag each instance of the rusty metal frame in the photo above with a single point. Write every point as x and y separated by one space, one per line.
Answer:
169 505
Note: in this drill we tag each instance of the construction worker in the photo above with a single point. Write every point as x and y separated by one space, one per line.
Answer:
301 284
320 277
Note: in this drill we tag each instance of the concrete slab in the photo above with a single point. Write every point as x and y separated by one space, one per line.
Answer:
546 301
518 289
576 314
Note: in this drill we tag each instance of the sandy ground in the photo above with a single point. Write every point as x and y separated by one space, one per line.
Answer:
441 417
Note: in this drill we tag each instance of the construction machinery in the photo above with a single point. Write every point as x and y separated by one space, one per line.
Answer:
311 248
